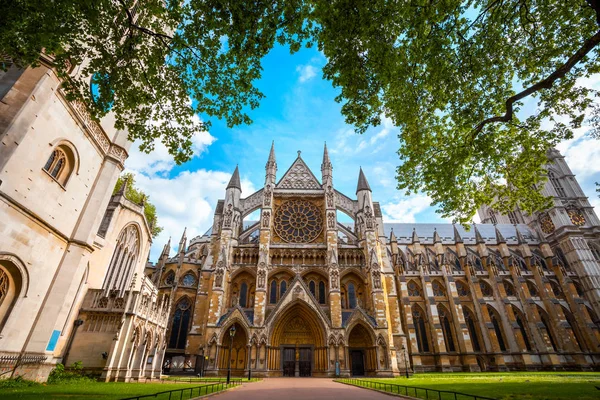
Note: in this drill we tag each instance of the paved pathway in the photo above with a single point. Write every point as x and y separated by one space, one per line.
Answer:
300 389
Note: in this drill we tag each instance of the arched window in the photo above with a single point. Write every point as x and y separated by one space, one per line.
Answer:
486 290
312 288
512 217
497 329
179 326
556 184
508 288
244 295
11 283
560 258
322 293
558 293
273 292
123 260
546 324
472 330
413 289
532 289
522 329
170 279
351 296
578 288
492 216
282 288
188 280
462 288
420 330
438 289
60 164
446 329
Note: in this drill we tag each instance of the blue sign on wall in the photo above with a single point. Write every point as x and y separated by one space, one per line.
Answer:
53 340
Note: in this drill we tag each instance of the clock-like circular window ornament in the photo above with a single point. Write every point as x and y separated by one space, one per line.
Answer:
298 221
576 217
547 225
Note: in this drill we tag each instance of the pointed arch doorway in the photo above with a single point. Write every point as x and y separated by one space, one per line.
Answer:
298 343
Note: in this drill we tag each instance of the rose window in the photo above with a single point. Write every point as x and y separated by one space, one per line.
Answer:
298 221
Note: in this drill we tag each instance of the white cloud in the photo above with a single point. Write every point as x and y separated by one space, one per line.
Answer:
406 209
159 161
187 199
583 157
307 72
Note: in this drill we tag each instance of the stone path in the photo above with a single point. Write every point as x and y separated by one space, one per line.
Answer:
300 388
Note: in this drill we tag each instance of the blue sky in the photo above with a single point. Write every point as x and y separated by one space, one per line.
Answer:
298 113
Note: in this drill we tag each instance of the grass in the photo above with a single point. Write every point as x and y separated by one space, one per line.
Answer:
96 390
508 386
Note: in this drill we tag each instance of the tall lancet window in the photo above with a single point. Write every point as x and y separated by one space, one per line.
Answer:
556 184
123 260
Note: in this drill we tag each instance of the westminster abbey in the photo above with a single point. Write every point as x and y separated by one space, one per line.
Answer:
297 293
290 292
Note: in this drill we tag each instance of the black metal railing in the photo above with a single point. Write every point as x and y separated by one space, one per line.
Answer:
187 393
413 391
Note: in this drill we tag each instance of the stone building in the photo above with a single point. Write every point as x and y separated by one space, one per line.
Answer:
72 255
309 295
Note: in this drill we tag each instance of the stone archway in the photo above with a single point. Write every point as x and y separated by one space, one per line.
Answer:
239 350
298 346
362 353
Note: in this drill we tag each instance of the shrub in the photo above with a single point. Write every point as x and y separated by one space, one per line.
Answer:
74 375
15 383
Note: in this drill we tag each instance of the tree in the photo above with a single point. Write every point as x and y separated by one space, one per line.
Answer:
453 75
135 195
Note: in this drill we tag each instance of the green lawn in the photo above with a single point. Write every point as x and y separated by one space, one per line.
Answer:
513 385
95 390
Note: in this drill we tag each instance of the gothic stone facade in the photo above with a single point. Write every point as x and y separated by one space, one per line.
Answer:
311 296
72 256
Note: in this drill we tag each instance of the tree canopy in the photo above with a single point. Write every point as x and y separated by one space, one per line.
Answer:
452 75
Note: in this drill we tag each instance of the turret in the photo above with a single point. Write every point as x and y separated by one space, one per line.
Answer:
271 167
182 242
326 167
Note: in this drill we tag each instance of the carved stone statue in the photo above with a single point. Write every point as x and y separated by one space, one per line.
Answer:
262 275
228 216
266 219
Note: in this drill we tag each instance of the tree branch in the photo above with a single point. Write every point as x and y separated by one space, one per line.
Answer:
546 83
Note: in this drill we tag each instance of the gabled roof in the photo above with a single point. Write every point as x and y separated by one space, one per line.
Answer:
298 176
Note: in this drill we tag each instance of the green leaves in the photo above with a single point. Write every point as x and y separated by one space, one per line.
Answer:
453 75
135 195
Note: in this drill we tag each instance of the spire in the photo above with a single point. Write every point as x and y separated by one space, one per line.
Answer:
271 154
393 237
326 161
235 180
478 237
436 236
362 182
183 241
326 167
457 238
166 249
499 237
415 237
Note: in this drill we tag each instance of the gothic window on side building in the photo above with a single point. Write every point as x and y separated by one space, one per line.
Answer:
497 329
60 164
282 288
179 326
446 329
189 280
123 261
486 289
351 296
420 329
462 288
509 288
273 292
414 290
512 217
322 293
170 279
243 295
470 320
